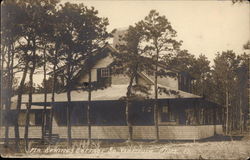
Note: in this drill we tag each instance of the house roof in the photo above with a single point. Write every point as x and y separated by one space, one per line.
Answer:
112 50
114 92
96 57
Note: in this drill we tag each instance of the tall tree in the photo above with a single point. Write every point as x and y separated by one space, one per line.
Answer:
55 38
93 36
69 16
23 59
160 43
47 44
44 117
201 72
83 34
131 61
225 65
182 60
34 25
242 78
10 33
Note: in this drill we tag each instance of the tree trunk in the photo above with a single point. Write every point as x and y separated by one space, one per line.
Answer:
32 70
69 117
214 119
227 113
26 133
241 115
230 113
18 108
44 117
8 99
88 108
128 106
19 99
1 83
51 116
69 104
156 100
10 64
130 129
53 96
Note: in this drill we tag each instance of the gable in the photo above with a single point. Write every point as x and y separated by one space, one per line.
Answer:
100 60
104 58
104 62
101 63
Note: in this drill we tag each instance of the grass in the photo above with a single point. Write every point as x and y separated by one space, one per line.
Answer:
163 150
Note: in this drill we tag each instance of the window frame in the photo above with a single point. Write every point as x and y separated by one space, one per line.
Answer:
105 72
171 118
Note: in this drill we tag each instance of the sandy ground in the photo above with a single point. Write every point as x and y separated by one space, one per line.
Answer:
239 149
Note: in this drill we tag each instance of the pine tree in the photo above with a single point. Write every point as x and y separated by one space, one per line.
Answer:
83 34
33 25
11 33
160 40
130 61
224 75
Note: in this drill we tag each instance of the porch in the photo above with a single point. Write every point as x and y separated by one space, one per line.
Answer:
179 119
121 132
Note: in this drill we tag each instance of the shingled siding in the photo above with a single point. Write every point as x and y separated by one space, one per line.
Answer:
205 132
34 132
97 132
141 132
121 132
119 79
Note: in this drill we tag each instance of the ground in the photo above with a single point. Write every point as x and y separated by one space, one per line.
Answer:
219 147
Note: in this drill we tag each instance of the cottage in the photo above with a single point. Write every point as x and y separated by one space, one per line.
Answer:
182 115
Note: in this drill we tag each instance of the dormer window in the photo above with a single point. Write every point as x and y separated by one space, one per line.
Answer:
105 72
104 76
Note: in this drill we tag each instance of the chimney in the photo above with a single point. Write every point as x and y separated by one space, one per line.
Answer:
117 36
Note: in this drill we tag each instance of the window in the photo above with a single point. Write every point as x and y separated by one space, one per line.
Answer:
38 118
171 117
105 72
167 115
22 119
103 77
164 113
165 109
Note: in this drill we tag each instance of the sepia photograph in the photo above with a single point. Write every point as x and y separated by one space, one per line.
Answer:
125 79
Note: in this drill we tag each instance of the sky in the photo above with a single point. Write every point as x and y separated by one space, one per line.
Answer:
205 27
